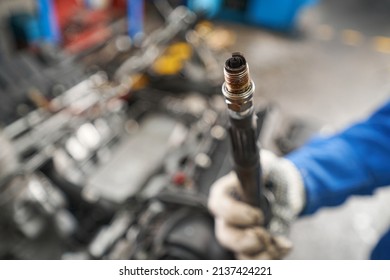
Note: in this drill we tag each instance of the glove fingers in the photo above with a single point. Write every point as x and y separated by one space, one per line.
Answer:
239 240
223 205
276 247
272 253
283 245
230 181
259 256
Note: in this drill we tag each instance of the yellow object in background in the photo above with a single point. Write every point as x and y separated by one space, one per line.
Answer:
382 44
181 50
216 38
204 28
139 81
172 61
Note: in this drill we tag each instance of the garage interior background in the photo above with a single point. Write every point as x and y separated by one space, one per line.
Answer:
332 69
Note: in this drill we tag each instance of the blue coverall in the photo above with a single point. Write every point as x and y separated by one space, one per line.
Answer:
355 161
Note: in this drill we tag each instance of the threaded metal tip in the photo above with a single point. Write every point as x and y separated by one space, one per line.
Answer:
236 74
238 88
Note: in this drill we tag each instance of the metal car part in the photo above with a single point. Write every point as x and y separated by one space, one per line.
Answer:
133 162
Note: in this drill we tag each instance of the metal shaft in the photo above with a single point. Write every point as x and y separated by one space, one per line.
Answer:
238 91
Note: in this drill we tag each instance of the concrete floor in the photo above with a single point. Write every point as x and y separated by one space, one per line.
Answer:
334 72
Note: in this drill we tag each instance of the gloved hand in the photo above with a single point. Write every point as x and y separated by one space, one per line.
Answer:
239 226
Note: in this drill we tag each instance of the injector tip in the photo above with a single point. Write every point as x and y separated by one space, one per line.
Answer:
236 73
236 63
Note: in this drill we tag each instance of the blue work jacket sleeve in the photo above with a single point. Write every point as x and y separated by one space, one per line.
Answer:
355 161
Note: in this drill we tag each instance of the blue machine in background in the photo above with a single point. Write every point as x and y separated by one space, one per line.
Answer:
48 21
135 18
275 14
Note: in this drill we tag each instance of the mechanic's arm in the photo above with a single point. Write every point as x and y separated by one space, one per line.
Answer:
322 173
355 161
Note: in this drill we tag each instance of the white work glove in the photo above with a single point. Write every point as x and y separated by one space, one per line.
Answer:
239 226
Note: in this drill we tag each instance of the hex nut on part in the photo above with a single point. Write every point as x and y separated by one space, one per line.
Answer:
237 107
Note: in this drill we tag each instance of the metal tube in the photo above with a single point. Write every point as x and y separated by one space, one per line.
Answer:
238 91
